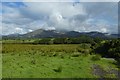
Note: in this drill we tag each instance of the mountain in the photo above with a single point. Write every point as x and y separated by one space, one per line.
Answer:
11 36
72 34
40 33
96 34
115 35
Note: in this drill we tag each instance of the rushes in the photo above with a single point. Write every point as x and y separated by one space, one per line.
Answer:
96 57
58 69
30 48
33 61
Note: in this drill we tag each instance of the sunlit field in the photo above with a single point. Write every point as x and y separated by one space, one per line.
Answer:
55 61
57 39
0 59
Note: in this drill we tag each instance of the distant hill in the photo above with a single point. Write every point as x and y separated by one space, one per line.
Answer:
40 33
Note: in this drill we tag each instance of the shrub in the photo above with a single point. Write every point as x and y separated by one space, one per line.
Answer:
43 41
110 48
62 56
59 40
79 50
75 54
85 45
54 54
21 66
85 54
59 69
96 57
33 62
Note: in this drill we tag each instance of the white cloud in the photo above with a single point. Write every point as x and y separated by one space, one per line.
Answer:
60 16
60 0
0 27
10 12
11 29
44 9
104 30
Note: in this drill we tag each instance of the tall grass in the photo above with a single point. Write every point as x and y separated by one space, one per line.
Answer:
32 49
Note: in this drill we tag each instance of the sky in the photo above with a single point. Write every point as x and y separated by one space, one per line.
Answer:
23 17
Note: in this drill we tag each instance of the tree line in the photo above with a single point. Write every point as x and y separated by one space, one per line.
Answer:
79 40
110 49
106 48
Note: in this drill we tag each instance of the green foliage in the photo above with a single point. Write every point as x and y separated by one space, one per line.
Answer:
59 40
75 54
78 40
98 40
82 39
36 61
96 57
43 41
58 69
85 46
43 49
110 48
33 62
54 54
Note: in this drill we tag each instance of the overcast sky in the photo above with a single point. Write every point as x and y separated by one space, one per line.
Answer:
23 17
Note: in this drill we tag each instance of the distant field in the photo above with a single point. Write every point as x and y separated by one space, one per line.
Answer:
54 61
18 41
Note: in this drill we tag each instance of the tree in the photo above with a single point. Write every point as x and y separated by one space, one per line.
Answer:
43 41
110 49
59 40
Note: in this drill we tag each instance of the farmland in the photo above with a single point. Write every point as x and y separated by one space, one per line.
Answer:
57 39
55 61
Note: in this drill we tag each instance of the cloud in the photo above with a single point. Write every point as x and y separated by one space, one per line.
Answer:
60 0
68 16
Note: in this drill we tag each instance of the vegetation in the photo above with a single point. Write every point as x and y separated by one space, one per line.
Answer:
59 69
61 58
79 40
96 57
109 49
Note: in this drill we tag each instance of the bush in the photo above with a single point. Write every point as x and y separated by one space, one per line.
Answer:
75 54
43 41
54 54
59 40
110 48
59 69
62 56
85 45
33 62
96 57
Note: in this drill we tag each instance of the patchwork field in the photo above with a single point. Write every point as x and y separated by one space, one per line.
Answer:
55 61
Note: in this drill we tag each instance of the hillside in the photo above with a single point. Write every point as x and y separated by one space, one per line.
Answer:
40 33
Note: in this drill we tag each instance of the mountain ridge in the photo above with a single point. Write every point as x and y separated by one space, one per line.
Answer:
41 33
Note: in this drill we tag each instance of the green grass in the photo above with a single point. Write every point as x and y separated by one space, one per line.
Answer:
19 41
49 61
0 60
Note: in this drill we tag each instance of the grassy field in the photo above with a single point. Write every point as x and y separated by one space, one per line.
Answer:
0 60
54 61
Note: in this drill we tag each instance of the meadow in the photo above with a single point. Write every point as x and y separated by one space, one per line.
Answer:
0 59
55 61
